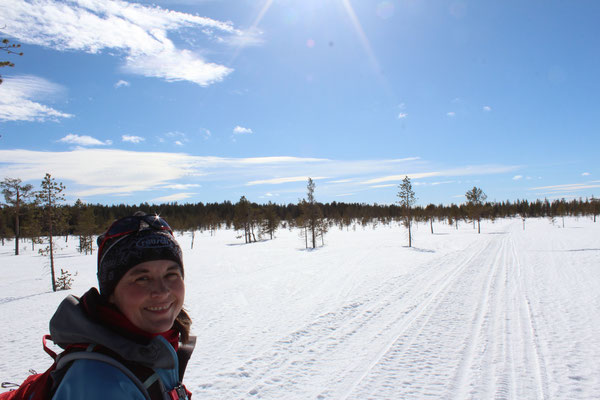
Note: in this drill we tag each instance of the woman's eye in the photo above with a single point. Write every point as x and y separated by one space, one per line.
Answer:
142 279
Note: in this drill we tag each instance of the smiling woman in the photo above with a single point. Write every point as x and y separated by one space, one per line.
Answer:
134 327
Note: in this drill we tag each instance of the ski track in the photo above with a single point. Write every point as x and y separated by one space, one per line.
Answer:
422 349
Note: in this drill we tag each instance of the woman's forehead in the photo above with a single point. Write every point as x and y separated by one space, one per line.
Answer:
154 266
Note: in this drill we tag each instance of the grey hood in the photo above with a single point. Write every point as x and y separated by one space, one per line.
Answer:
70 324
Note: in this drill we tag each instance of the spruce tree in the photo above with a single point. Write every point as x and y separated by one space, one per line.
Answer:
407 200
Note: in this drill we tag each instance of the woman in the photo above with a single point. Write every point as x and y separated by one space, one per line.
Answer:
125 337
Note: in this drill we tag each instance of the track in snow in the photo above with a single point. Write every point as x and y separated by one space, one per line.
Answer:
459 326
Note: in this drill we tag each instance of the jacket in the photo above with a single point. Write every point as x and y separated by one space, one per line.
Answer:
95 379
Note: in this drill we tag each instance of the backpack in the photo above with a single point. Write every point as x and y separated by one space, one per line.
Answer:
43 385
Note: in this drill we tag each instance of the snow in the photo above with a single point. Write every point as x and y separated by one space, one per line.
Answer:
506 314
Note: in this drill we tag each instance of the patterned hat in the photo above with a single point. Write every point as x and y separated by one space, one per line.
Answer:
119 254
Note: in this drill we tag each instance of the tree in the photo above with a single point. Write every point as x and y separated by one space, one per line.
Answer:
311 214
475 198
431 211
594 207
17 196
49 197
270 220
243 219
85 227
10 49
407 200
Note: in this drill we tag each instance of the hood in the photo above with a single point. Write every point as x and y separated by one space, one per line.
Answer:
70 325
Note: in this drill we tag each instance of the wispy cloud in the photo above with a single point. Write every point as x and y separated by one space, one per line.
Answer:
20 99
451 114
173 197
487 108
122 83
585 174
137 32
279 181
569 187
463 171
240 130
178 138
132 139
84 140
182 186
384 186
517 177
111 172
205 133
402 115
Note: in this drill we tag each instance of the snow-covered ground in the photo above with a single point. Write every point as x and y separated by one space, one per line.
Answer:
507 314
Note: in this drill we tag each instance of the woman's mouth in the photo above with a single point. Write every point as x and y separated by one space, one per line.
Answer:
158 309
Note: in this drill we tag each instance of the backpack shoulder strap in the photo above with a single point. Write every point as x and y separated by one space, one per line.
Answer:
183 355
87 355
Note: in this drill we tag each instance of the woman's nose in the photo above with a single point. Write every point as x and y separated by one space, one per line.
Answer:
159 287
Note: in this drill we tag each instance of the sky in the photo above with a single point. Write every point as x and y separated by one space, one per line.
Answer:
209 100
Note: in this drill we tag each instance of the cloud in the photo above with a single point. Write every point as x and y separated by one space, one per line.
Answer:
570 187
206 134
462 171
451 114
173 197
517 177
239 130
250 37
20 96
113 173
487 108
132 139
278 181
342 181
84 140
122 83
402 115
585 174
99 171
139 33
384 186
182 186
180 138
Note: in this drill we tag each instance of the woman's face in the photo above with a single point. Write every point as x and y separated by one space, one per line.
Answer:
151 295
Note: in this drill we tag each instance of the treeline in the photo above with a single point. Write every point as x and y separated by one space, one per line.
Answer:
255 219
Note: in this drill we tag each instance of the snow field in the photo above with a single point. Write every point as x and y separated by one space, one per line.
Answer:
507 314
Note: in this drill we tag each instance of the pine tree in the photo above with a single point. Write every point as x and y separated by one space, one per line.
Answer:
475 198
242 218
407 200
270 220
50 198
17 196
9 48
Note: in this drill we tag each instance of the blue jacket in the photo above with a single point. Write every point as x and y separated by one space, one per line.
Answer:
94 379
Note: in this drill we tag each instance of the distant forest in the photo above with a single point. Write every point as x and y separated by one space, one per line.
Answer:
93 219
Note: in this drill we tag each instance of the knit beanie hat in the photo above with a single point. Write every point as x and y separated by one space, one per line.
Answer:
121 253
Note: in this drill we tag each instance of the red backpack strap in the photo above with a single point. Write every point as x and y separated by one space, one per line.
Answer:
46 348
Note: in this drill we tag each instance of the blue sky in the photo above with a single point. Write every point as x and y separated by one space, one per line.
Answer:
209 100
